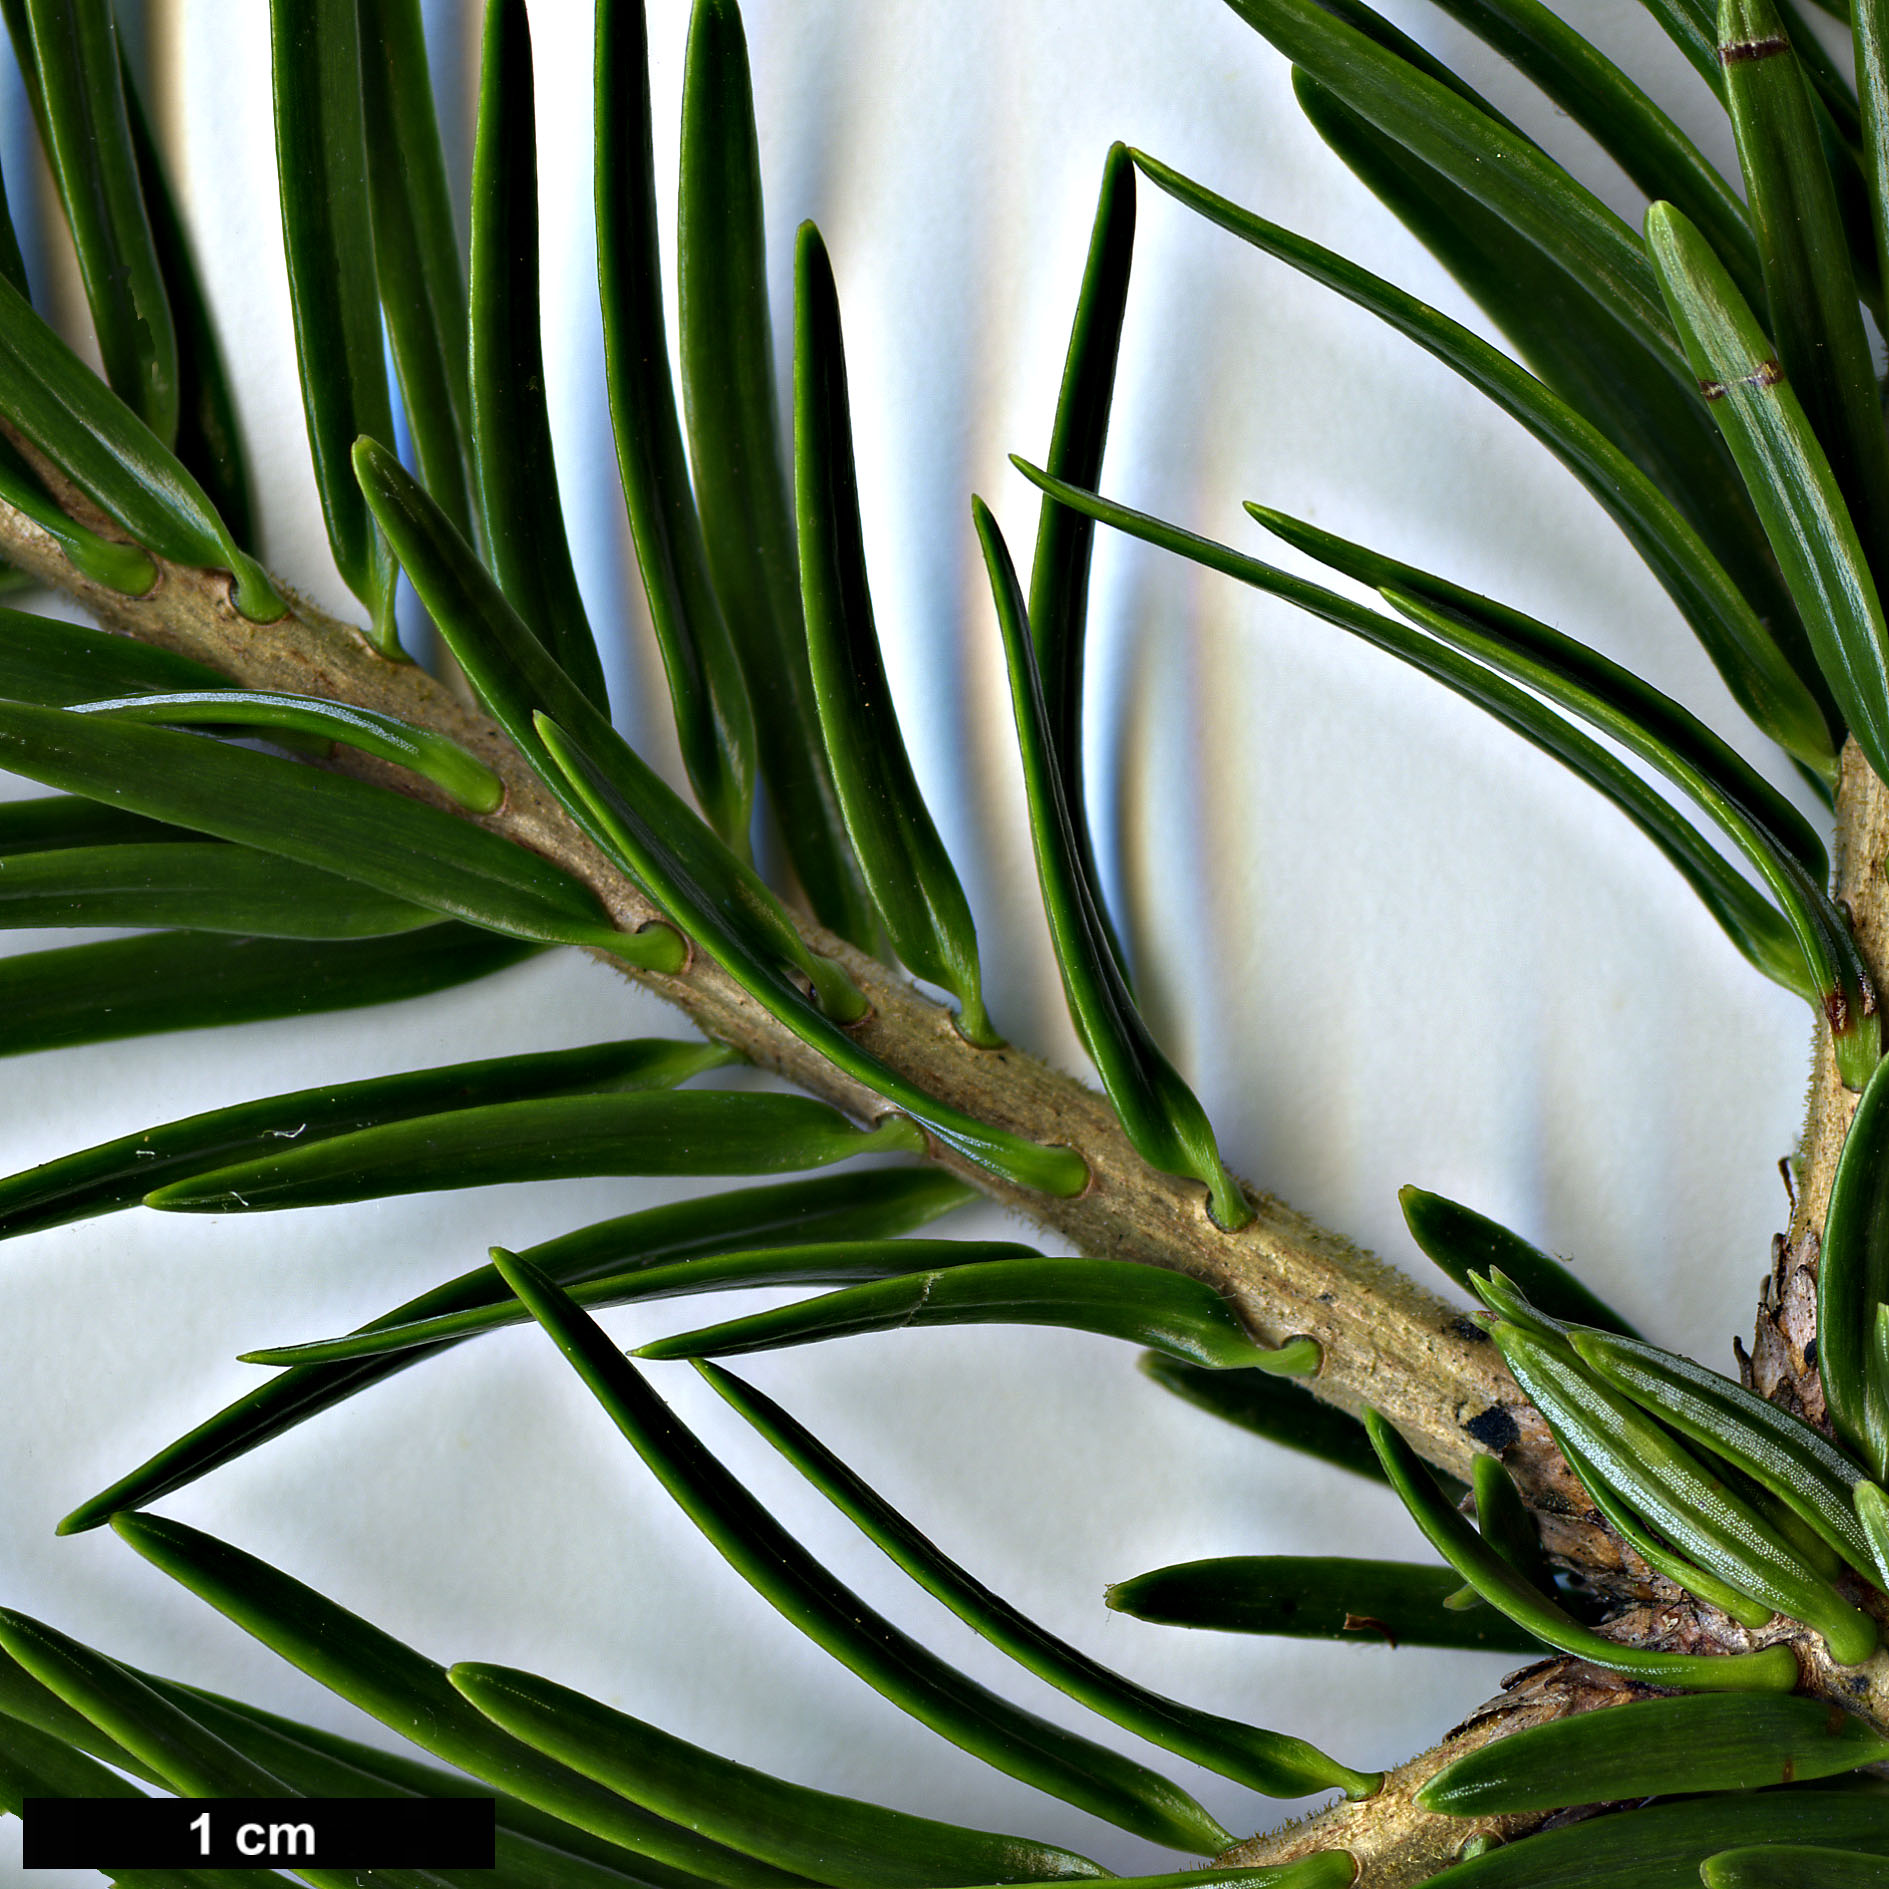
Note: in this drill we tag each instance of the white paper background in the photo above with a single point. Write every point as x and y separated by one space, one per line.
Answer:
1387 942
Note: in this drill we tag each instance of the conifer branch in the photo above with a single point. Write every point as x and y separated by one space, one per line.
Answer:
1386 1341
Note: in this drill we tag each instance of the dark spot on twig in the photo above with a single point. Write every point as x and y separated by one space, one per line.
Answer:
1469 1331
1494 1429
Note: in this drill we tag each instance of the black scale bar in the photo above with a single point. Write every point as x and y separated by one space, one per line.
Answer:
252 1832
